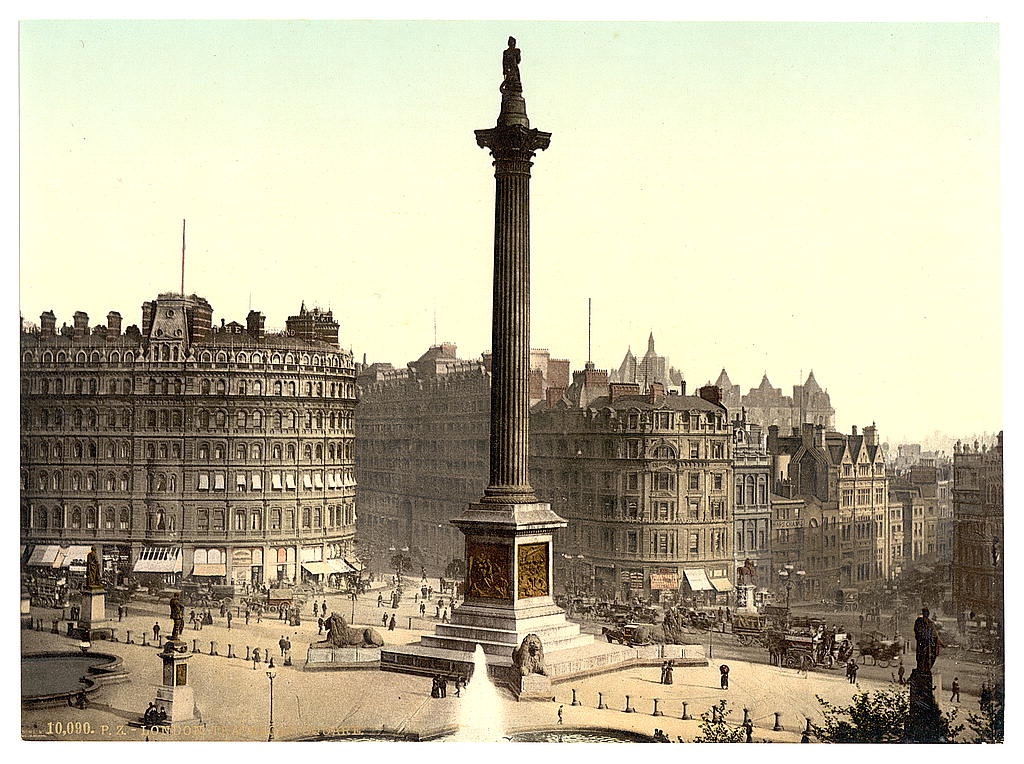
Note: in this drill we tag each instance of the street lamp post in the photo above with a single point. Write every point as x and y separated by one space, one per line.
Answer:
271 673
786 576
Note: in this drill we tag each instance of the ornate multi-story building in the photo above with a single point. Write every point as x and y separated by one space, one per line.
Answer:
752 514
423 435
645 482
979 545
766 405
181 448
844 483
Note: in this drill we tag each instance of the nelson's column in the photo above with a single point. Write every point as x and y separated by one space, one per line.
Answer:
508 533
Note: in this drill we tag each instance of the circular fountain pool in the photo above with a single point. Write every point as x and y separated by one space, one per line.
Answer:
50 678
579 736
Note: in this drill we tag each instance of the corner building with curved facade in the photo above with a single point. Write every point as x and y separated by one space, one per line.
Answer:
184 449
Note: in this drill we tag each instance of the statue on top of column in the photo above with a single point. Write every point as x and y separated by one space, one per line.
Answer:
510 59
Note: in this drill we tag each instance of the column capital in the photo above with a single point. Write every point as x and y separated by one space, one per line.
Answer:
513 141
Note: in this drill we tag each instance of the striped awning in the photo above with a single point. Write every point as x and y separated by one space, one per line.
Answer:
158 559
697 578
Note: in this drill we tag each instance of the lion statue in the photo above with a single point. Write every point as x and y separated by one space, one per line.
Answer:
340 634
529 656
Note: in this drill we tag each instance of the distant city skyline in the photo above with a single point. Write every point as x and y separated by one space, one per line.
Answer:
763 197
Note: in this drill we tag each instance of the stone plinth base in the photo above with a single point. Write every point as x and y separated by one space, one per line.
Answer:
745 599
178 702
320 657
93 632
925 722
93 607
535 687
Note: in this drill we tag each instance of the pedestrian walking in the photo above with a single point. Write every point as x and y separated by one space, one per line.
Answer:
391 623
120 612
851 671
444 616
664 672
247 616
901 673
323 608
282 642
384 620
255 657
229 620
668 672
560 721
437 614
435 688
319 625
156 632
380 600
862 620
423 608
723 670
444 686
458 687
956 690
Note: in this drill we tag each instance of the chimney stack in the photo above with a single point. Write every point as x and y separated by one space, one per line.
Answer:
853 430
113 324
254 324
47 324
81 320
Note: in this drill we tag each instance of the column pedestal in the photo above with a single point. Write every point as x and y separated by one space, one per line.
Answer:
175 696
92 617
925 722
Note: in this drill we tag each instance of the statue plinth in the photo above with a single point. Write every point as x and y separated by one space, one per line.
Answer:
92 623
924 724
175 695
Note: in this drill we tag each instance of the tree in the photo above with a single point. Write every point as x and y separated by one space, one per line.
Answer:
715 729
987 726
400 562
873 717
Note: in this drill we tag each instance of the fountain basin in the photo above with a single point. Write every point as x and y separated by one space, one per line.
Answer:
54 679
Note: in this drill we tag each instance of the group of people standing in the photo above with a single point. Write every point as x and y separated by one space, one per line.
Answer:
666 672
439 688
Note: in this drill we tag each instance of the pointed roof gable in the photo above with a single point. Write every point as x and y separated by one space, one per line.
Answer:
811 385
723 380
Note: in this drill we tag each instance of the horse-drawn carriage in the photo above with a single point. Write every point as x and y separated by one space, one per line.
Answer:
883 652
806 648
750 628
631 634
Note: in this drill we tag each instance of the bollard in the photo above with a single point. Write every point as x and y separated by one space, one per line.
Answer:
746 716
807 729
266 656
145 640
247 650
195 645
410 622
574 701
778 722
213 647
629 709
600 700
656 711
686 714
128 636
231 651
55 630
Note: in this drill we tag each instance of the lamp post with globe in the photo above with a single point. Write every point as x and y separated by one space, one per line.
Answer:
786 576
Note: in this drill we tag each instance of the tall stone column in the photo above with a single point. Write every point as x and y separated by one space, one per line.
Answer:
512 144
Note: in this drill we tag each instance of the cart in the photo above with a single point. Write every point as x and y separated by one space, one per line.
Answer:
883 652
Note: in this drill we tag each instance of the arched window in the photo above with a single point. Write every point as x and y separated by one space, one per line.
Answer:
123 482
108 518
90 517
739 490
750 489
76 518
108 481
76 481
257 388
762 489
291 451
57 518
204 387
41 517
240 419
241 451
277 388
276 451
257 419
319 452
221 387
125 520
257 451
307 452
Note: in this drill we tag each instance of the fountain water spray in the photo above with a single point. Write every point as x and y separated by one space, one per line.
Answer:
481 718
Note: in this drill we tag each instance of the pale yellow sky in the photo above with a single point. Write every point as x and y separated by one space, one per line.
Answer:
764 197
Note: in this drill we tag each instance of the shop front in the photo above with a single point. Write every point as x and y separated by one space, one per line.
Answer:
697 589
665 586
158 565
247 566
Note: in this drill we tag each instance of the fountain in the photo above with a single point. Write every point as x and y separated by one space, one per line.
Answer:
481 718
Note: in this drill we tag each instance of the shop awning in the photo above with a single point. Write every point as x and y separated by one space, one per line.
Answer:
209 569
339 565
44 556
75 554
697 578
356 565
316 568
722 584
158 559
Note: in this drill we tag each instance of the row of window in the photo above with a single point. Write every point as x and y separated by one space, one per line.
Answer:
863 497
330 360
125 386
46 418
75 518
670 420
216 481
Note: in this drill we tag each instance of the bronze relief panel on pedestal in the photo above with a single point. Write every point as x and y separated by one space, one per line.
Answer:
533 570
488 571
